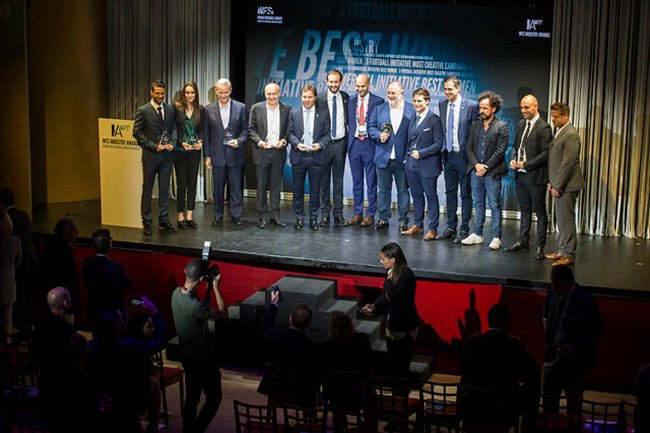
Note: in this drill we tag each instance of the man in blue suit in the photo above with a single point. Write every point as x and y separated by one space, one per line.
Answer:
361 151
155 129
308 133
388 127
424 164
225 135
456 116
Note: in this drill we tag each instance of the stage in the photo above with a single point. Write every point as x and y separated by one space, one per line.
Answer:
615 267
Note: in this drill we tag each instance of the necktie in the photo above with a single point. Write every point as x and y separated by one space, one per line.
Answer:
362 117
334 116
450 128
160 114
308 127
522 146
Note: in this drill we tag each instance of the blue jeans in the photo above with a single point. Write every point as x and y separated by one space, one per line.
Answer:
482 188
385 186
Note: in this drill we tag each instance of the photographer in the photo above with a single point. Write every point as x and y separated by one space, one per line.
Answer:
196 345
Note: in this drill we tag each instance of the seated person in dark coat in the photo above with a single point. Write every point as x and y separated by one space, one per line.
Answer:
292 375
500 378
53 331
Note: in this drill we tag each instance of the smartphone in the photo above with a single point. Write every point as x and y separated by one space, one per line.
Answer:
276 289
206 250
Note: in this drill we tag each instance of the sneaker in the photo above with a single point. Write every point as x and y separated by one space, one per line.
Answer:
472 239
495 244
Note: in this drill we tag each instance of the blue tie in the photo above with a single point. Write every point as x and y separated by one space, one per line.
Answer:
334 108
450 128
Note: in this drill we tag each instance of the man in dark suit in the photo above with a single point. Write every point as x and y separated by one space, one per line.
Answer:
309 135
105 280
267 128
155 129
564 182
498 368
388 127
361 151
336 101
225 134
486 148
572 325
528 160
456 116
423 165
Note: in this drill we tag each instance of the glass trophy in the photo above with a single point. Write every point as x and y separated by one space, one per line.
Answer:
386 128
521 156
228 136
362 131
308 141
165 139
192 140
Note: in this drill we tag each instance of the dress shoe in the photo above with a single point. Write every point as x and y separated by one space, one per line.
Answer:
276 222
553 256
146 230
517 246
403 226
192 224
182 224
414 230
299 224
539 253
340 222
563 261
313 224
381 225
167 227
236 221
355 220
325 222
431 235
447 234
261 223
367 221
461 237
217 221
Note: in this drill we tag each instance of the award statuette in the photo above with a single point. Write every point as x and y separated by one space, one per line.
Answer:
308 141
227 137
521 157
165 139
386 128
192 140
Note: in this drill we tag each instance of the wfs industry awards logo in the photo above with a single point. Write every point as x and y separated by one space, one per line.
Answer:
266 15
534 29
118 130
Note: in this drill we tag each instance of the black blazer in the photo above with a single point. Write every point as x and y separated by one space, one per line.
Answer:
106 283
497 142
147 129
257 130
398 301
536 146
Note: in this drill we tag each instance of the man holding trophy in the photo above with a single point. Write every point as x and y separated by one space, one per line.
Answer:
388 127
155 129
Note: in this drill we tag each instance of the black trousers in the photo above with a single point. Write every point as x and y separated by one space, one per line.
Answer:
333 171
531 198
300 173
269 176
161 166
186 165
201 375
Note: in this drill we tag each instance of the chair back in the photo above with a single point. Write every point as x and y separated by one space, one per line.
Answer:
251 418
304 420
392 397
439 402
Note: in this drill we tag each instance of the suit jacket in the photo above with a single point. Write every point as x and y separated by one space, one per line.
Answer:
23 229
536 146
219 154
322 102
468 114
106 283
398 301
398 138
321 134
373 102
428 140
564 172
147 129
257 130
496 143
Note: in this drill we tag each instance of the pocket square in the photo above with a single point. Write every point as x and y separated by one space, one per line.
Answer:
425 130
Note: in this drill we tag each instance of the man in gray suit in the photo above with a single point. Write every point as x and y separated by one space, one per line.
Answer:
267 128
564 182
155 129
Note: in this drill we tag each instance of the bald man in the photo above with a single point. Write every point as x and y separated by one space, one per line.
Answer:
388 127
267 129
528 160
361 151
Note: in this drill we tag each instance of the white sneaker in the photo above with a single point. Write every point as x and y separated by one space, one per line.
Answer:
495 244
472 239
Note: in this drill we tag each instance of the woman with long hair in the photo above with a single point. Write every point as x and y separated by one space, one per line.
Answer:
398 303
187 152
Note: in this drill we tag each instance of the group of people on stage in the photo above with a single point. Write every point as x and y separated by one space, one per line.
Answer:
386 141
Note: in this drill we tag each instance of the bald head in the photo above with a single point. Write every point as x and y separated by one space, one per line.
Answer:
363 85
529 108
58 299
395 93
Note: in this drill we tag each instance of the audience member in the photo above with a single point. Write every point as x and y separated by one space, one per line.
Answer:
53 330
572 325
643 400
500 378
9 260
104 278
290 357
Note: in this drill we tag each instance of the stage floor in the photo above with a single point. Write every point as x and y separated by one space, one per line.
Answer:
609 266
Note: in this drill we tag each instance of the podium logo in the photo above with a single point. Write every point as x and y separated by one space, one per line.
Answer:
532 24
265 10
119 130
534 29
266 15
